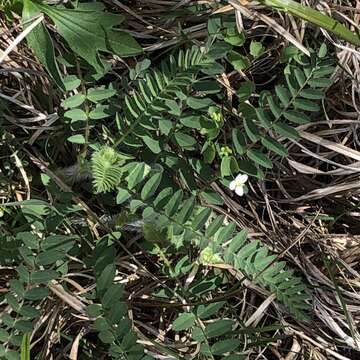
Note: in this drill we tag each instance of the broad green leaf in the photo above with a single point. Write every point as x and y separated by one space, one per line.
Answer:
274 146
183 322
4 335
259 158
198 103
73 101
320 82
274 107
236 243
186 210
76 115
238 61
71 82
152 144
205 311
88 32
151 186
228 166
100 112
214 226
174 203
225 346
256 48
264 118
224 233
122 196
234 38
43 276
106 278
185 141
245 90
201 218
239 141
38 293
100 94
191 121
283 94
251 130
297 117
286 131
300 77
40 42
306 105
138 174
212 197
219 328
112 296
77 139
312 94
208 152
248 168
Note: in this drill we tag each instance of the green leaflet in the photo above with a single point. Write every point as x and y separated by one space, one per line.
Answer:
88 32
40 43
315 17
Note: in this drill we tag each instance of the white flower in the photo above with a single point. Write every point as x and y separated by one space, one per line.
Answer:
238 185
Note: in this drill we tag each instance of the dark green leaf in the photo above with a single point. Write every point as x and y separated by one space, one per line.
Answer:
286 131
40 42
88 32
259 158
225 346
274 146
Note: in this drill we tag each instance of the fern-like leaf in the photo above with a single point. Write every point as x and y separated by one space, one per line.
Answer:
106 169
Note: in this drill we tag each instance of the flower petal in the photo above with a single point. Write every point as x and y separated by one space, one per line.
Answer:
239 190
232 185
242 178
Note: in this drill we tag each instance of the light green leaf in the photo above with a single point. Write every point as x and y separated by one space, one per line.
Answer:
256 48
96 95
316 17
25 347
183 322
73 101
77 139
100 112
76 115
122 196
138 174
238 61
71 82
